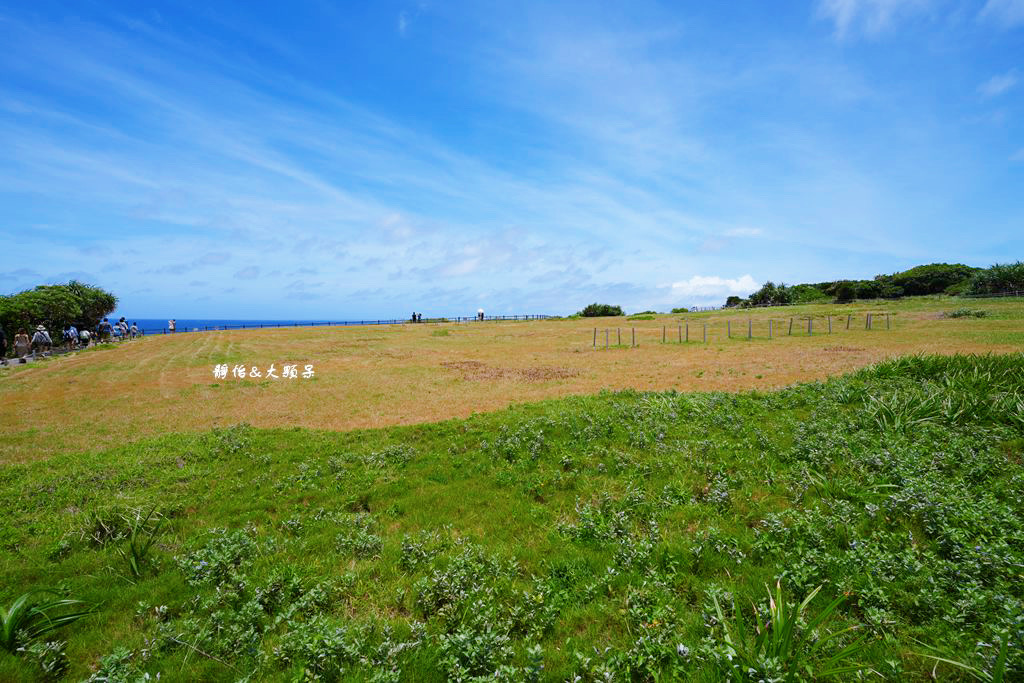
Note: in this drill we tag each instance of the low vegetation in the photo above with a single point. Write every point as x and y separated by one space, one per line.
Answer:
600 311
870 525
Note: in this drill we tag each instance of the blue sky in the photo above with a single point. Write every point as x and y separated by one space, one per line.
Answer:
297 160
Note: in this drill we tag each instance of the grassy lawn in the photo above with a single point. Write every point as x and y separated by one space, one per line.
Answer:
409 374
623 535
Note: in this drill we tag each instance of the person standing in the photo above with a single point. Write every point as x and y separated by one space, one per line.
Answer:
84 336
41 339
103 330
74 335
21 343
171 325
134 330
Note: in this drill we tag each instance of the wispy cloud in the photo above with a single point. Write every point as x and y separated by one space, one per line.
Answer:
997 85
868 17
1004 13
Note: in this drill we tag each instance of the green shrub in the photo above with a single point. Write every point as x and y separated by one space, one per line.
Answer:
965 313
680 310
601 310
933 278
641 317
1001 277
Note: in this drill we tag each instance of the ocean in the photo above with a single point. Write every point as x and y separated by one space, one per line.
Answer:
154 326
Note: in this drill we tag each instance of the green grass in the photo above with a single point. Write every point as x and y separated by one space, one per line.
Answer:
626 535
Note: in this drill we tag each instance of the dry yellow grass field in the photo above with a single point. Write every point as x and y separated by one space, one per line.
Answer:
404 374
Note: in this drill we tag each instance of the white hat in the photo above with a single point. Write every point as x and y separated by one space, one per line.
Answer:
40 327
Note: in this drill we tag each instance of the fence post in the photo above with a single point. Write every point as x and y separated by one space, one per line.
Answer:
791 327
687 331
662 334
728 329
848 316
830 324
705 333
750 329
680 334
867 322
769 328
887 321
618 334
606 338
595 337
634 336
810 325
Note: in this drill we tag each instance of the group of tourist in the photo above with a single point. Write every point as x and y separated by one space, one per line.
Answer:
71 337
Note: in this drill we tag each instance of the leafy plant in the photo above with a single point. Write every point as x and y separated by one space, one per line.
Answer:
785 643
965 313
143 532
25 619
996 675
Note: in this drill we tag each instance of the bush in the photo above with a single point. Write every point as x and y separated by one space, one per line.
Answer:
933 278
733 301
601 310
680 310
1001 277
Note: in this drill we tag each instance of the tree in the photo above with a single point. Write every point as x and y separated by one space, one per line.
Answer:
601 310
733 301
933 278
55 306
845 292
1001 277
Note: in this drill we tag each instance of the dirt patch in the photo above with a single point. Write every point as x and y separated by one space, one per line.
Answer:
842 349
476 371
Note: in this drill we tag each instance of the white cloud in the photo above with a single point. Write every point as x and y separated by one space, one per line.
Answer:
712 286
744 232
997 85
870 17
1007 13
403 22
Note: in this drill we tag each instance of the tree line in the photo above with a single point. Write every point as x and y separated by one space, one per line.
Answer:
935 278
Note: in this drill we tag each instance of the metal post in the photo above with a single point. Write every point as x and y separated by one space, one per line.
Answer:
791 327
887 321
662 334
595 337
769 328
848 316
728 329
830 324
687 331
680 334
705 333
750 329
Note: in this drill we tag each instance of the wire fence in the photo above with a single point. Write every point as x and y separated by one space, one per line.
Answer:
697 332
725 307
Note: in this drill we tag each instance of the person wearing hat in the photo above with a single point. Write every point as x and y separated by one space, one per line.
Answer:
41 339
